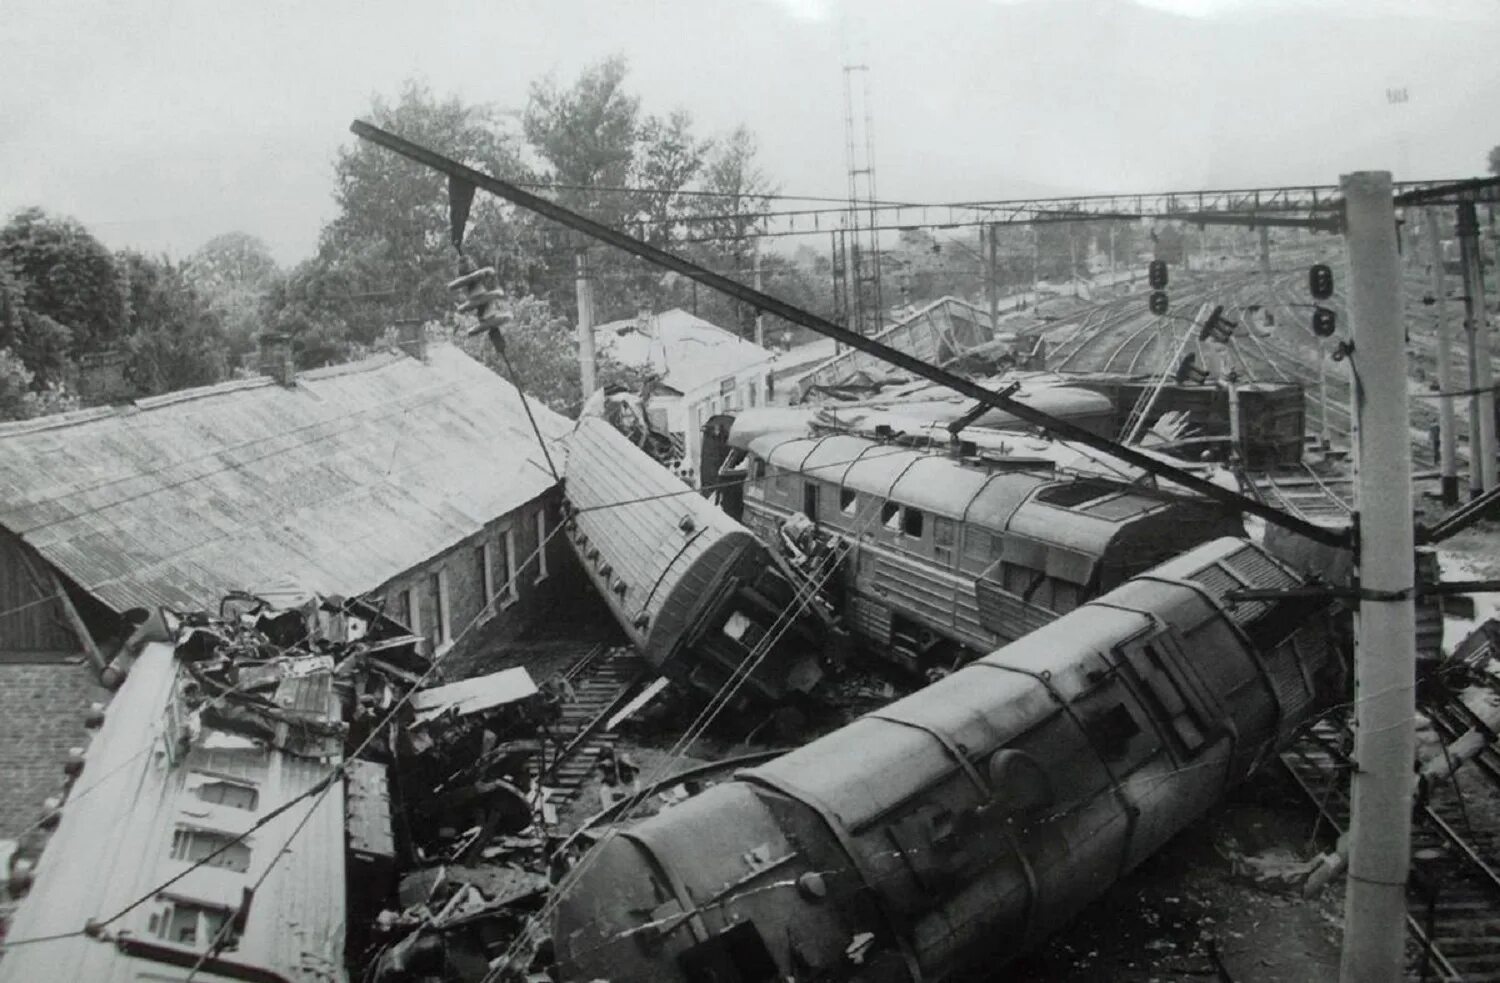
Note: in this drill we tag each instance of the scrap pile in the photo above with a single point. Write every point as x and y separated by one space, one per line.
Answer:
449 833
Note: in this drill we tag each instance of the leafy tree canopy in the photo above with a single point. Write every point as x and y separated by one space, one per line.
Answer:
66 275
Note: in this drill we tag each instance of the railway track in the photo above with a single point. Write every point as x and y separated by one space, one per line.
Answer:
593 690
1454 892
1305 493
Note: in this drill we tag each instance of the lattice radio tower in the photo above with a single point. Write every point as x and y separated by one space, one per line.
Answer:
861 246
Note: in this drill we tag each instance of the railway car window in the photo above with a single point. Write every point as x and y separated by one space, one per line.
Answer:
890 516
1116 726
505 559
199 846
1111 731
911 522
942 539
231 794
848 501
1164 695
191 924
810 499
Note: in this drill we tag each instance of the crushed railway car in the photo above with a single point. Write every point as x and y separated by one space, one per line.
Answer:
947 558
697 594
959 827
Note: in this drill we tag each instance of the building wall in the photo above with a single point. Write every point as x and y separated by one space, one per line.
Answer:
42 711
463 597
33 625
743 390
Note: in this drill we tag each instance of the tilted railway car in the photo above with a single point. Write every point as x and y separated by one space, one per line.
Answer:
948 558
960 826
695 592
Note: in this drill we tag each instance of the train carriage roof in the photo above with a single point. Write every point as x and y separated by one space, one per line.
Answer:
939 485
832 457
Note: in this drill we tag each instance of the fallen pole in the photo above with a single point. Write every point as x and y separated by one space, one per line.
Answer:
769 304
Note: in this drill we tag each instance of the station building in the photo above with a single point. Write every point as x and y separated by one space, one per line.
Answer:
700 370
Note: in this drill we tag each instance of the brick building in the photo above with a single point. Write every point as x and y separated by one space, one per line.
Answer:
412 477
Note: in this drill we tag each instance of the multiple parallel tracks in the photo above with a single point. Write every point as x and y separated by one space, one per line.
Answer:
1453 896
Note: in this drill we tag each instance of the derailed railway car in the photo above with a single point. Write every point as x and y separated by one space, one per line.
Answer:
697 594
949 558
962 825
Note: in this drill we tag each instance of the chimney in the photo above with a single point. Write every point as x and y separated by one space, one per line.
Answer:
101 377
276 358
411 337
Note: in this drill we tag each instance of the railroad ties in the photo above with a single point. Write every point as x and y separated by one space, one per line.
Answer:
1453 896
1302 491
592 691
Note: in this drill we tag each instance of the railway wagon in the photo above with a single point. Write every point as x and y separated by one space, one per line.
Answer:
960 826
694 591
949 558
1273 415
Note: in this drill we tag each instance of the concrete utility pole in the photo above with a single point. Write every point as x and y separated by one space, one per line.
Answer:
1385 627
994 277
760 317
1481 374
1447 379
1265 252
585 291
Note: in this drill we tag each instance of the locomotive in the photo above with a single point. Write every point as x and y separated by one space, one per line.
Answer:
946 557
960 826
696 593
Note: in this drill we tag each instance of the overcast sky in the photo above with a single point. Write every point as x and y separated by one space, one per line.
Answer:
160 124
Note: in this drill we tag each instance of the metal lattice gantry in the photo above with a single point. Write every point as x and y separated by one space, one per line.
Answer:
1316 207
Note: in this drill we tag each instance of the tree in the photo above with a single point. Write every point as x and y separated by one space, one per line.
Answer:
68 276
174 340
588 134
38 341
388 247
234 273
20 398
1494 161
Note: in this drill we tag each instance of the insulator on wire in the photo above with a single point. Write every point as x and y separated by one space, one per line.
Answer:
475 292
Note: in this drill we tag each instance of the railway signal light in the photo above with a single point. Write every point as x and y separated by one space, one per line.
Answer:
1158 302
1320 281
1218 327
1324 323
1156 274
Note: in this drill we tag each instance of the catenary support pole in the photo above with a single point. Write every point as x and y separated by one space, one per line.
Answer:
1481 374
585 293
993 280
1385 632
760 316
1447 379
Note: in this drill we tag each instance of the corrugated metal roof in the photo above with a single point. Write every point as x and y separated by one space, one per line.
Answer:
357 474
686 351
